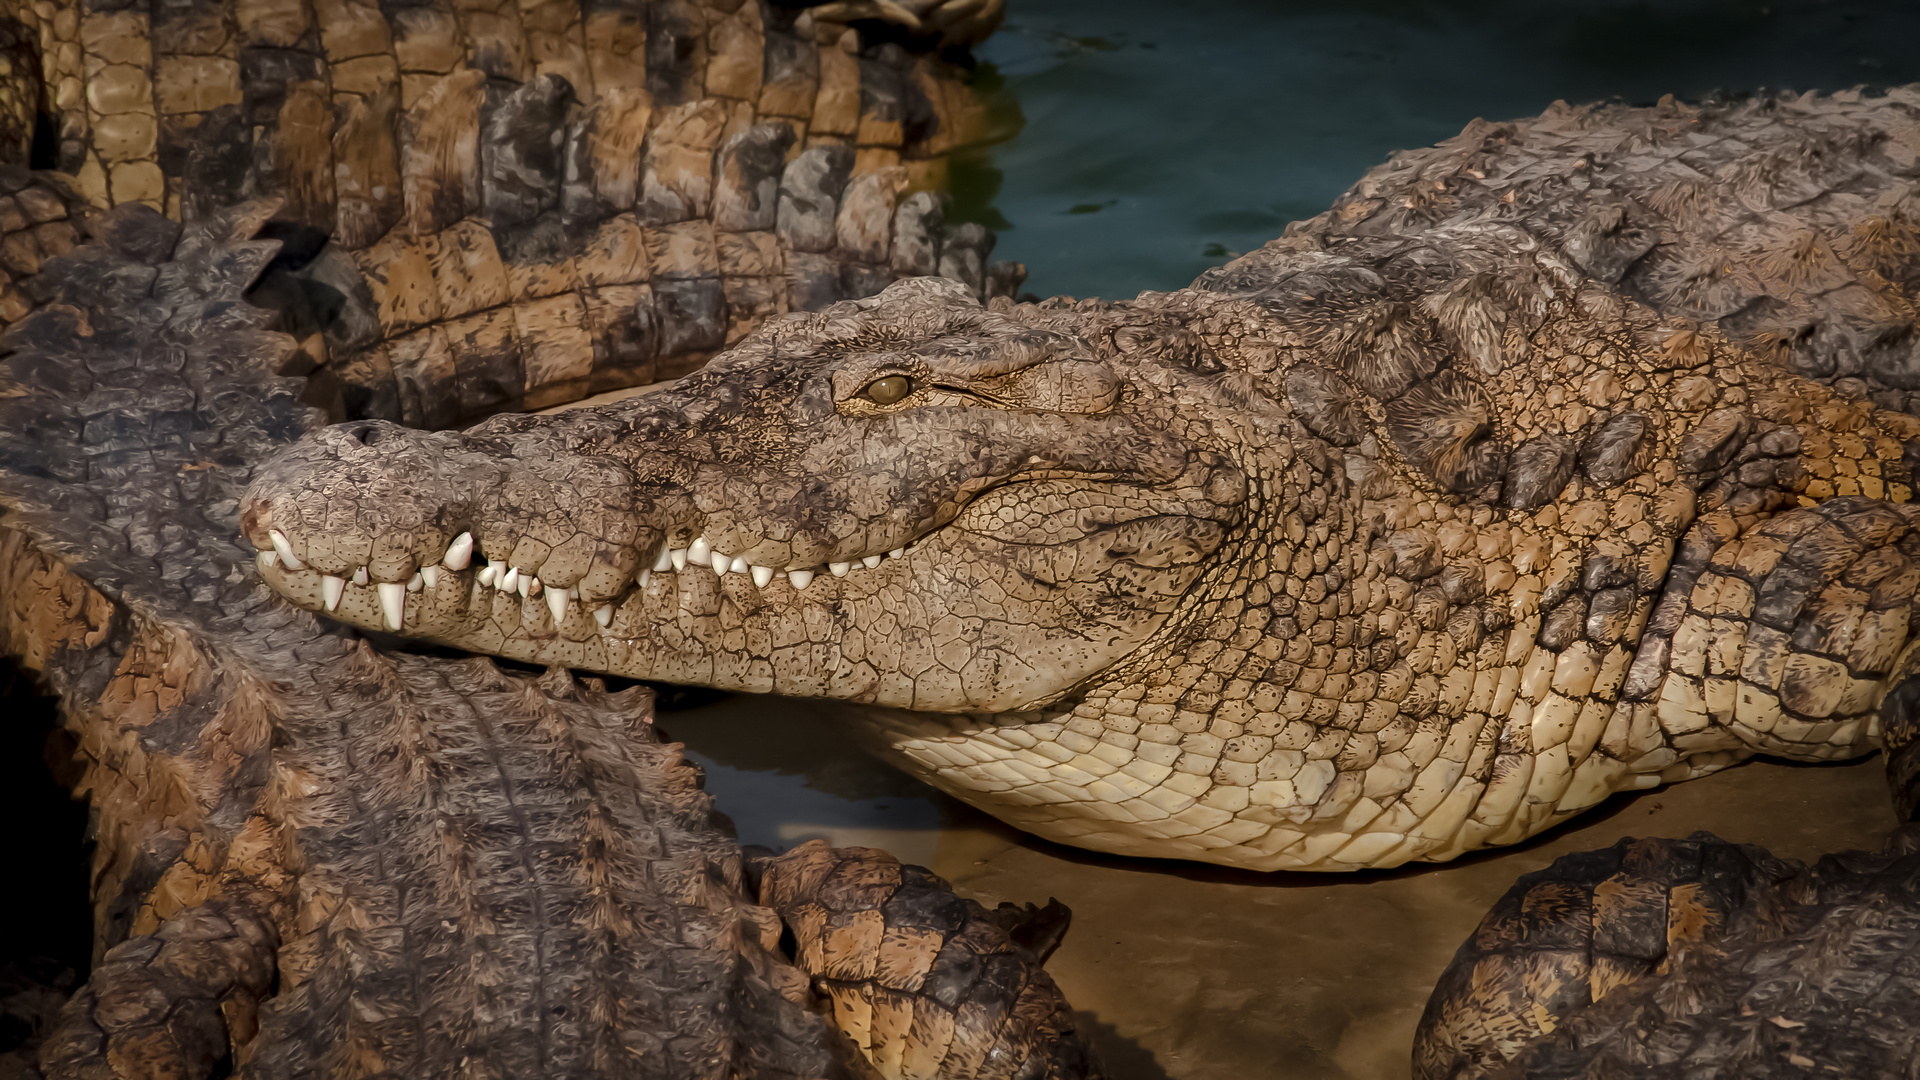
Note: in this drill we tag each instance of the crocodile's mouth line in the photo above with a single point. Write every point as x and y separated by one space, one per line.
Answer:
491 578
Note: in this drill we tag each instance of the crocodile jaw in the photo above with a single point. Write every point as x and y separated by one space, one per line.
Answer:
1024 527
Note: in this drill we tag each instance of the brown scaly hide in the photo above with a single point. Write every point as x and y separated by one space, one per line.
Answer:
1695 958
1422 529
315 858
924 982
510 206
41 218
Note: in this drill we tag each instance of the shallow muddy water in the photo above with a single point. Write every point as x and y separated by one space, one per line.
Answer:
1144 141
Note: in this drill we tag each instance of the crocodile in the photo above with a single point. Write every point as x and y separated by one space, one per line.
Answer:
1692 957
498 206
1563 458
313 857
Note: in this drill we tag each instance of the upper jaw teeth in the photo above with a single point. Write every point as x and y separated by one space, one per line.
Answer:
701 552
559 601
393 603
459 552
285 550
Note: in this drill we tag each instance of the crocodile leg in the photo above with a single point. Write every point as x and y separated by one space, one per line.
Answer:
170 1003
1781 638
924 982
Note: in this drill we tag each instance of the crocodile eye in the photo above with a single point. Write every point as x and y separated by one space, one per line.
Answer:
887 390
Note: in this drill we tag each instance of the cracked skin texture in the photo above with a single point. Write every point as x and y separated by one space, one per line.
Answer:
1422 529
1694 957
504 206
313 858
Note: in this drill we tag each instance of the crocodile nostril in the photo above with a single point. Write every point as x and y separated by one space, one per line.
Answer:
365 434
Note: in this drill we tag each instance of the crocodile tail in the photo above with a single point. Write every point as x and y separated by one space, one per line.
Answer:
509 208
22 87
922 981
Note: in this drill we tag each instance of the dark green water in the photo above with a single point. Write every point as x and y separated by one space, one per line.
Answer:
1146 140
1160 137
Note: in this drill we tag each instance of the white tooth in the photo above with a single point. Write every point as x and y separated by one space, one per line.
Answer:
360 576
557 605
721 562
645 576
286 551
431 575
497 573
330 589
393 603
416 582
524 586
839 568
533 584
699 552
799 579
679 557
266 560
665 562
484 577
896 553
459 552
762 575
871 561
741 565
510 580
603 615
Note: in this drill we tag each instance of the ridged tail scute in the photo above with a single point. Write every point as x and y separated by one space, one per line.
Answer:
495 210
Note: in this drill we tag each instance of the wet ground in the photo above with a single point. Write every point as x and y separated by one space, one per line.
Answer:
1144 141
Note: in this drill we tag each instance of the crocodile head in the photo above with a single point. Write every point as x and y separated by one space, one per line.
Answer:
908 500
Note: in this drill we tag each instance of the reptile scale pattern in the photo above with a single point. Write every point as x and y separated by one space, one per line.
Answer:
493 206
1420 530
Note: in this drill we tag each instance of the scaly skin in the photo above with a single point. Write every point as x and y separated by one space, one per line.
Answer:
504 206
317 859
1364 549
1695 958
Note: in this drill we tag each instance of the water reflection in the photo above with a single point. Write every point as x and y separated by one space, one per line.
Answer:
784 770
